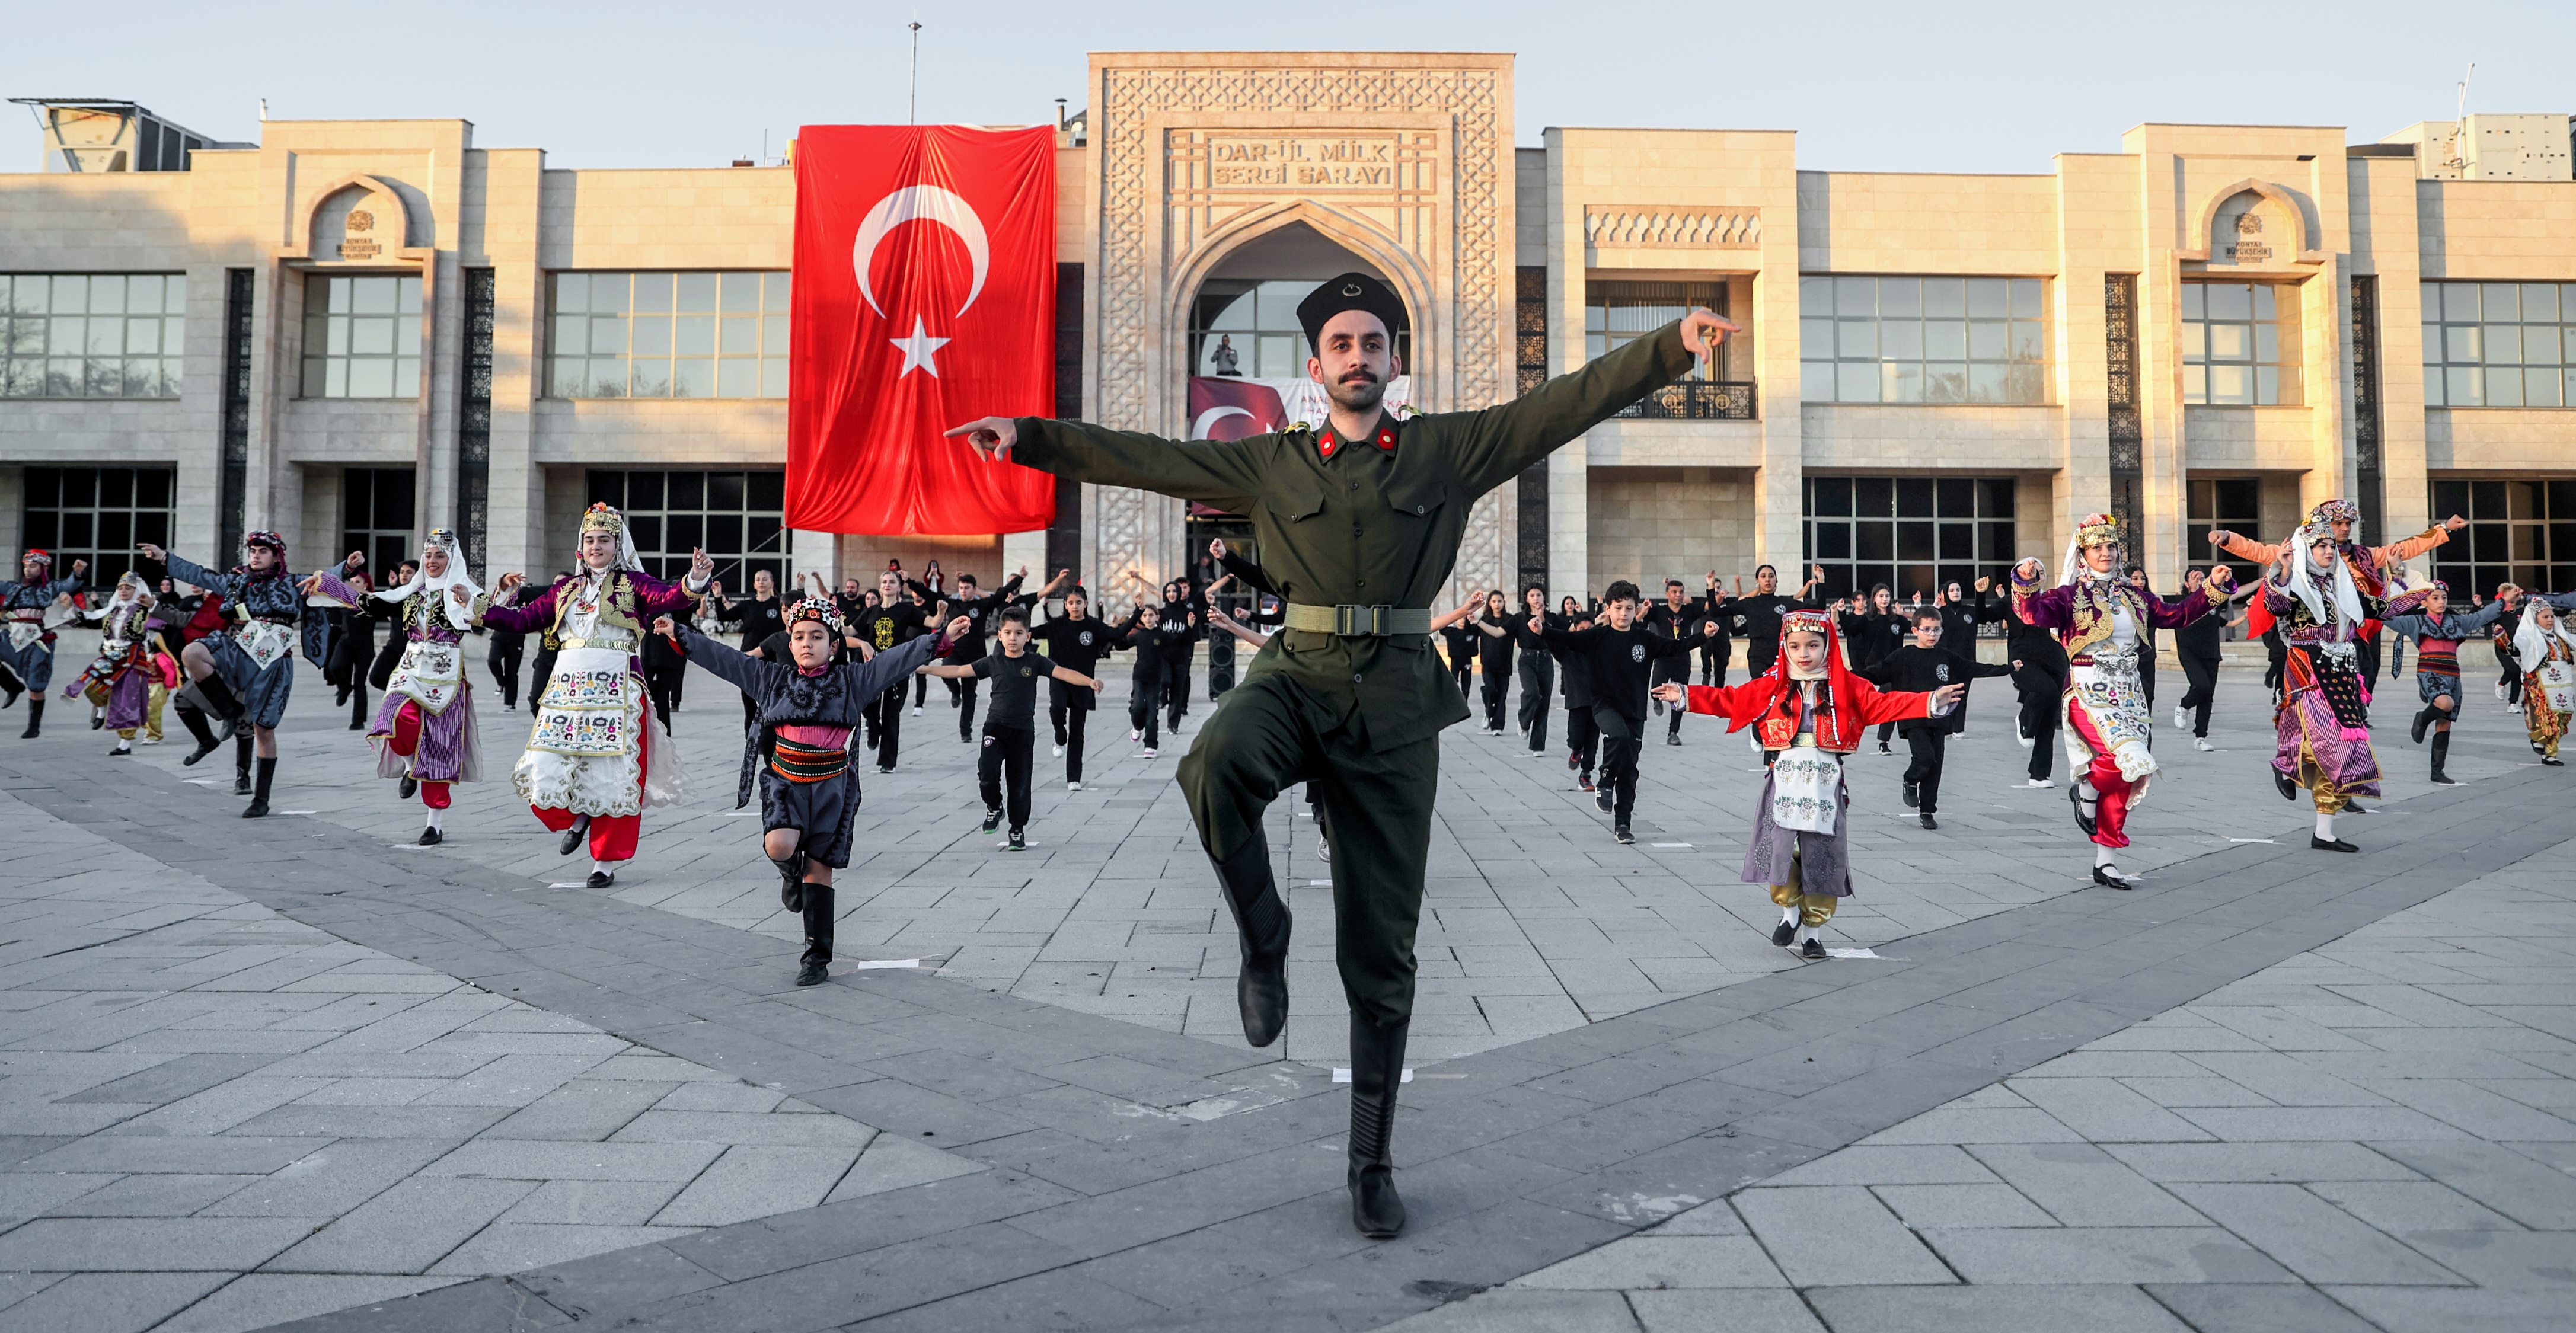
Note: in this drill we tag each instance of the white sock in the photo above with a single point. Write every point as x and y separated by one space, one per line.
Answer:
1789 915
2325 827
2101 855
1806 933
599 867
437 818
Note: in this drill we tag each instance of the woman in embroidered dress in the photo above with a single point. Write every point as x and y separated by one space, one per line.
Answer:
2422 613
1807 712
2100 619
2545 648
2322 727
591 765
424 731
244 676
799 752
120 679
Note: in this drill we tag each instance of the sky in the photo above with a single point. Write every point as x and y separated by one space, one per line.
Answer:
1957 87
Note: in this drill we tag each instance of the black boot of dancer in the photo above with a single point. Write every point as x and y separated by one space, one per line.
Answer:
220 702
241 764
2441 756
35 718
195 722
572 836
258 807
791 881
816 964
11 686
1377 1067
1262 924
2426 718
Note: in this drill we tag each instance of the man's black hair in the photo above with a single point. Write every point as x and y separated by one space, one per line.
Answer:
1672 583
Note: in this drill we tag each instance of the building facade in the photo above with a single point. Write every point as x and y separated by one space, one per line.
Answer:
358 329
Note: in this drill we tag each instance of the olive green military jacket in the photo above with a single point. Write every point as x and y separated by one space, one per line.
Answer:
1367 522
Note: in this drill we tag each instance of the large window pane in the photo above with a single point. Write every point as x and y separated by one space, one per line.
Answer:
2239 344
736 516
1923 340
111 335
632 325
2498 344
361 336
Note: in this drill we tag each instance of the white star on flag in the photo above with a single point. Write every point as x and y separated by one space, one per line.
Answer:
917 350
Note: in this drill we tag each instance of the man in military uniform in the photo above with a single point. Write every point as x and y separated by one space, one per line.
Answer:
1359 524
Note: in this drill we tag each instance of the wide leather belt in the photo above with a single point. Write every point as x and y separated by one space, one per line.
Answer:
1352 621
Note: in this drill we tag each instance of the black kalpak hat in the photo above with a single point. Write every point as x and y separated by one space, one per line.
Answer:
1350 291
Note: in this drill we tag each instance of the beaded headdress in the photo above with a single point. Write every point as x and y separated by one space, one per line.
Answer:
42 557
823 609
268 539
602 517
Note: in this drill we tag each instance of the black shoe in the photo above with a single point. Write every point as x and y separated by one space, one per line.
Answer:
2354 808
408 787
1882 748
241 783
1583 783
812 971
15 693
1927 820
791 882
1911 800
885 768
2105 876
430 837
258 807
1784 934
1672 740
2423 719
2075 797
1377 1069
356 724
1601 799
123 748
1263 927
2336 845
992 818
97 720
1623 835
2442 779
602 879
572 837
2552 761
1574 761
2281 783
1019 841
1814 949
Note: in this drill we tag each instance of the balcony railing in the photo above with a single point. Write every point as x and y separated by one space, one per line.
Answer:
1697 400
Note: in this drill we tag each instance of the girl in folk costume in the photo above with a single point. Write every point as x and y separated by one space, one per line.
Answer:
799 752
28 615
2100 619
424 731
2545 648
245 675
120 680
591 764
2423 613
2323 724
1807 712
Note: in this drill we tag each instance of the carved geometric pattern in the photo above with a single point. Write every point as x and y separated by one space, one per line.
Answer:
2127 428
234 484
1130 281
474 417
1702 228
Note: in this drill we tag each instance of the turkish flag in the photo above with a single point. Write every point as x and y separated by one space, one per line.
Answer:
1227 408
924 298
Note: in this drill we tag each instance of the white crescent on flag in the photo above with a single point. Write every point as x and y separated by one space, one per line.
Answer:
1207 419
921 203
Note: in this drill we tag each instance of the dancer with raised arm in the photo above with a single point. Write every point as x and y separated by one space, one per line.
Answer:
2545 647
424 732
119 680
2322 728
1807 711
799 753
1359 521
2099 618
592 765
246 675
26 640
2423 613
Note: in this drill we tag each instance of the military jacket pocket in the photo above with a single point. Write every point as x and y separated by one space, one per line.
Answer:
1421 498
1292 505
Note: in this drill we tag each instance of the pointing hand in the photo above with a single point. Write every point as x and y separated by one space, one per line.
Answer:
994 436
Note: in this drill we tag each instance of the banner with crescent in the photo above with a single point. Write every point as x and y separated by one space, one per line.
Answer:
1230 407
924 295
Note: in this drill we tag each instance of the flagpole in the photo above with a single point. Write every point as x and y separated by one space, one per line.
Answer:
912 105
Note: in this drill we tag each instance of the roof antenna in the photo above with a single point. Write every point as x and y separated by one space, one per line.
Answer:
263 110
2460 122
912 107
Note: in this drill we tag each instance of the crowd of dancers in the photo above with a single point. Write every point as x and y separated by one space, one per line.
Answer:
825 678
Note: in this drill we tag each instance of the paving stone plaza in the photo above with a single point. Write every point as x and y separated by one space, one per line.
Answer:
301 1070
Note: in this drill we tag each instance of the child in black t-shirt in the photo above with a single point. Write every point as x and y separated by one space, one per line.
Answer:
1619 655
1921 667
1155 645
1076 640
1010 726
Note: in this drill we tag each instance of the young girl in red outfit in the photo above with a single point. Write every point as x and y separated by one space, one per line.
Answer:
1807 711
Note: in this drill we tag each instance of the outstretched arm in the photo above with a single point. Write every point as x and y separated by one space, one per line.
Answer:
749 674
1224 473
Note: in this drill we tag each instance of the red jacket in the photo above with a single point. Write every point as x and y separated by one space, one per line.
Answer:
1770 707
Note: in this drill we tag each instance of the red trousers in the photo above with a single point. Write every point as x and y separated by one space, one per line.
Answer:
612 837
2111 816
405 741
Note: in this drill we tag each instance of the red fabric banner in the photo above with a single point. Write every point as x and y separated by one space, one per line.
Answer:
924 297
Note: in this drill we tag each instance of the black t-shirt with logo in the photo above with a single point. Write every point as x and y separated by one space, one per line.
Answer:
886 627
1618 663
1015 687
1075 645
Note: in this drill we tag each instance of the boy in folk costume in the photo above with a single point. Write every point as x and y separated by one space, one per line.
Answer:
244 676
591 764
26 639
2100 619
806 710
1807 712
424 731
120 680
2545 648
2323 723
2422 613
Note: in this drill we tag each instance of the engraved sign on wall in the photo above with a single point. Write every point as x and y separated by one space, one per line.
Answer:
1306 162
359 243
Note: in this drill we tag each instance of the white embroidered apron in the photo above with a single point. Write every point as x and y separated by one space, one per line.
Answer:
264 642
431 674
591 707
1806 789
2558 683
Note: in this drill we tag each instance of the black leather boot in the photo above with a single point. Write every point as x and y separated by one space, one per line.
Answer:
11 686
2441 756
258 807
791 881
35 718
816 964
241 765
1262 928
195 722
220 702
1377 1067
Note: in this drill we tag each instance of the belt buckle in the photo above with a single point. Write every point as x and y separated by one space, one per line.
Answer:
1348 622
